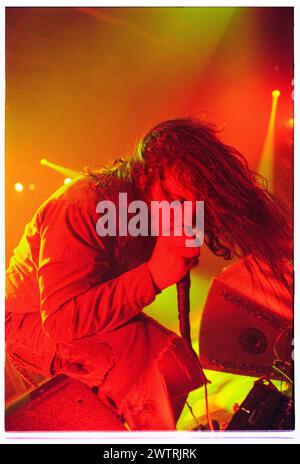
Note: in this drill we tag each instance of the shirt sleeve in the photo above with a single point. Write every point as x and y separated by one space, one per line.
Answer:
76 298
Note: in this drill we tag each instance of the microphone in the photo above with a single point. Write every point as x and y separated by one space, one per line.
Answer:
183 301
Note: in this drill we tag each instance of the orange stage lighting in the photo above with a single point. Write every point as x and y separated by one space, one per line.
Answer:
19 187
31 187
266 164
276 93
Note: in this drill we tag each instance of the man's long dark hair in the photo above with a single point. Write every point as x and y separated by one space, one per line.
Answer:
242 217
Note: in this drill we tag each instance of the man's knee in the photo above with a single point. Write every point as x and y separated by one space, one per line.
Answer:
181 369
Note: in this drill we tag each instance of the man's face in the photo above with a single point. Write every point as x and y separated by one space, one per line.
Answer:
170 189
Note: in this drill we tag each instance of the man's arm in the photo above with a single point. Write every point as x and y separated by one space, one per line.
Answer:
76 301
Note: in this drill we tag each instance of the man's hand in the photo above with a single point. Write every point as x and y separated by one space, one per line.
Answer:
171 260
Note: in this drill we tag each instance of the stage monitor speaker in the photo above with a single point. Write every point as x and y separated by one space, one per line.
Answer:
247 323
61 404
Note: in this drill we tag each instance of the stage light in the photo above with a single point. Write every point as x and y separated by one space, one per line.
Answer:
66 172
67 180
19 187
266 163
31 187
276 93
290 123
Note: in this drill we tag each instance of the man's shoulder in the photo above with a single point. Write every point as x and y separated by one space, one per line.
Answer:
81 193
